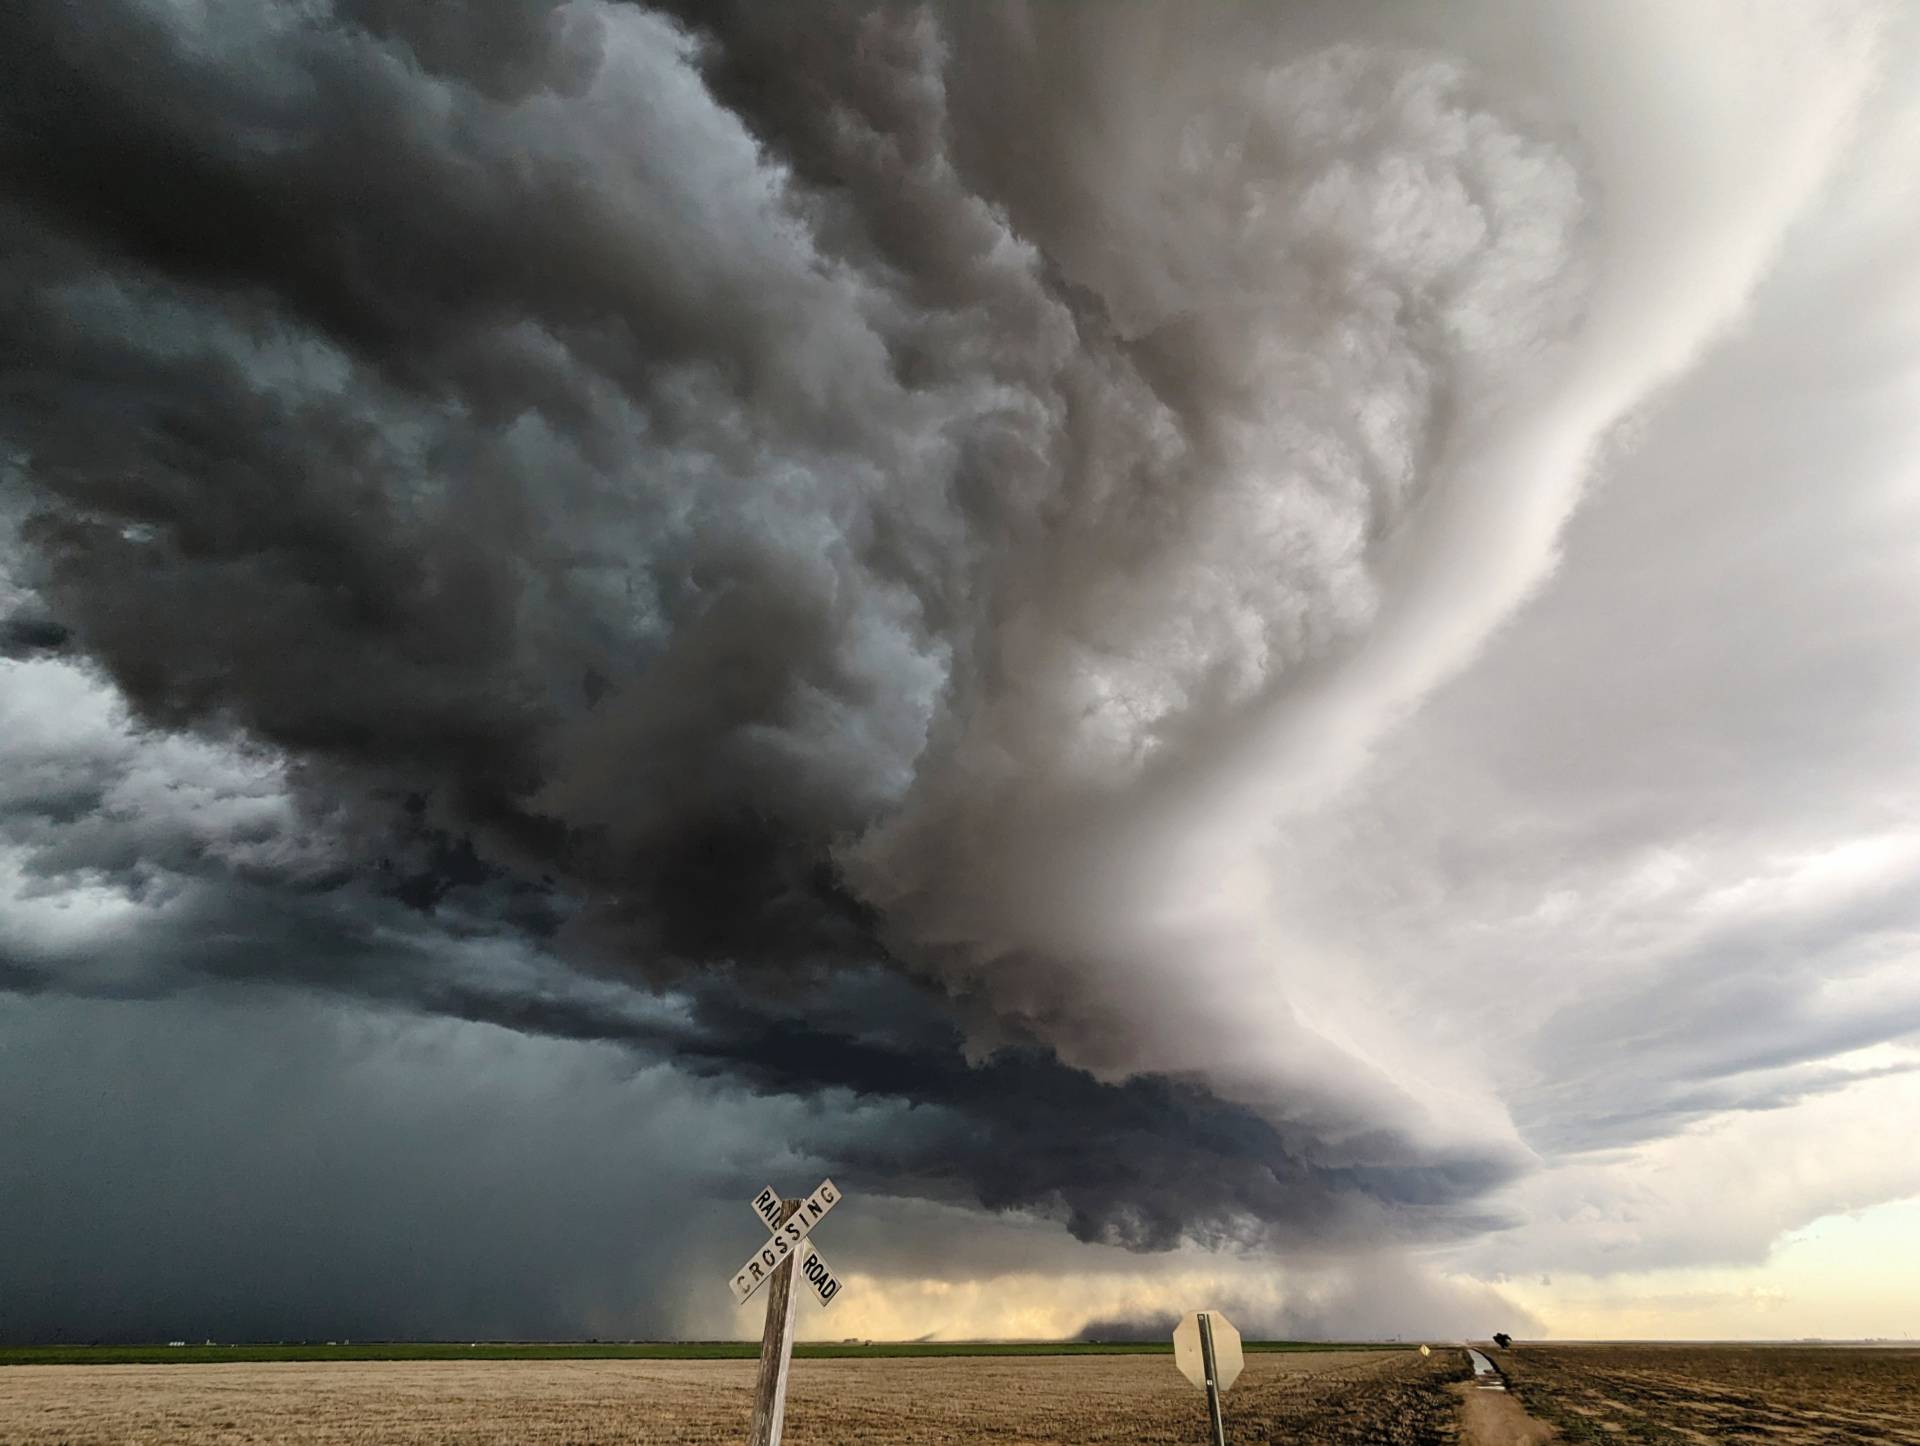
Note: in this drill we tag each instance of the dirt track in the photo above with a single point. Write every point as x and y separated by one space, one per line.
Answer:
1354 1397
1494 1418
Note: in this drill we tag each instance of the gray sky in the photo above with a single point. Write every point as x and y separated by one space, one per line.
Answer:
1266 654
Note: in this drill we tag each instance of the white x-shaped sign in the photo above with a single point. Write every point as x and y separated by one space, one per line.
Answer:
790 1238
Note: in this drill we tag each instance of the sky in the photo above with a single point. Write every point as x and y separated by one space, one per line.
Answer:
1257 657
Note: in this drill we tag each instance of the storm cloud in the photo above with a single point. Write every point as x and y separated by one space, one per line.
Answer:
947 561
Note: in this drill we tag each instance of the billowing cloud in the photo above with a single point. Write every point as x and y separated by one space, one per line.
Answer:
951 560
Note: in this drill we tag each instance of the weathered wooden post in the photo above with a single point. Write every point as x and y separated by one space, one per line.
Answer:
774 1264
776 1350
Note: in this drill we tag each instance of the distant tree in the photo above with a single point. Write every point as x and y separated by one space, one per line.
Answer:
1502 1339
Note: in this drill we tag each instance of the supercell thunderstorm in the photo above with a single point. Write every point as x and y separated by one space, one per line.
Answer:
840 547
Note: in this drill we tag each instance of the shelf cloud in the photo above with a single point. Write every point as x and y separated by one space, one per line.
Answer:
936 557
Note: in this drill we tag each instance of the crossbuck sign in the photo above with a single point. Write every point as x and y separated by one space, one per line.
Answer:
789 1250
790 1234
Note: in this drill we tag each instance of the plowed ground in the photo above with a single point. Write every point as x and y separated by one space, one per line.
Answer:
1783 1395
1378 1398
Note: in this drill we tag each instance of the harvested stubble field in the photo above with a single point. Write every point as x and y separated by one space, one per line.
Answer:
1786 1395
1348 1397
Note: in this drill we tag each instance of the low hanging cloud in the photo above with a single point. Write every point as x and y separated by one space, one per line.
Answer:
863 532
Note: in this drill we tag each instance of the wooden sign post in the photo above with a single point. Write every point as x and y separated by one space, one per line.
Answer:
776 1352
791 1222
1206 1348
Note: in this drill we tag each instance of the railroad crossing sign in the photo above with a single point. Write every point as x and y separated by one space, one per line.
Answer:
1206 1348
788 1235
791 1223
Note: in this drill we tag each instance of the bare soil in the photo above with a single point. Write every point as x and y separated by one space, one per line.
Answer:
1494 1418
1396 1398
1784 1395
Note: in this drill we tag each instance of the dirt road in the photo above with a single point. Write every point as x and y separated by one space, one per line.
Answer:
1493 1418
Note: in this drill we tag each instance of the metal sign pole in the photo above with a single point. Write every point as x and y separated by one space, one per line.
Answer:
1213 1378
776 1351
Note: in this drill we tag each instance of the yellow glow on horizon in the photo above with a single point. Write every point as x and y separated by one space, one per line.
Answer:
1844 1277
1022 1306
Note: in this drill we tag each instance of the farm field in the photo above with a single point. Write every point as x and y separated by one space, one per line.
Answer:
1373 1397
1790 1395
212 1354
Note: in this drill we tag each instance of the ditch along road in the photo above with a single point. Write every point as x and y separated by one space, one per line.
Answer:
1491 1417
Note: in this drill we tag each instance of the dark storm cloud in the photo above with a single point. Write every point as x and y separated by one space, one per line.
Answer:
599 516
197 866
429 265
1139 1164
288 1169
504 48
275 558
847 526
23 636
